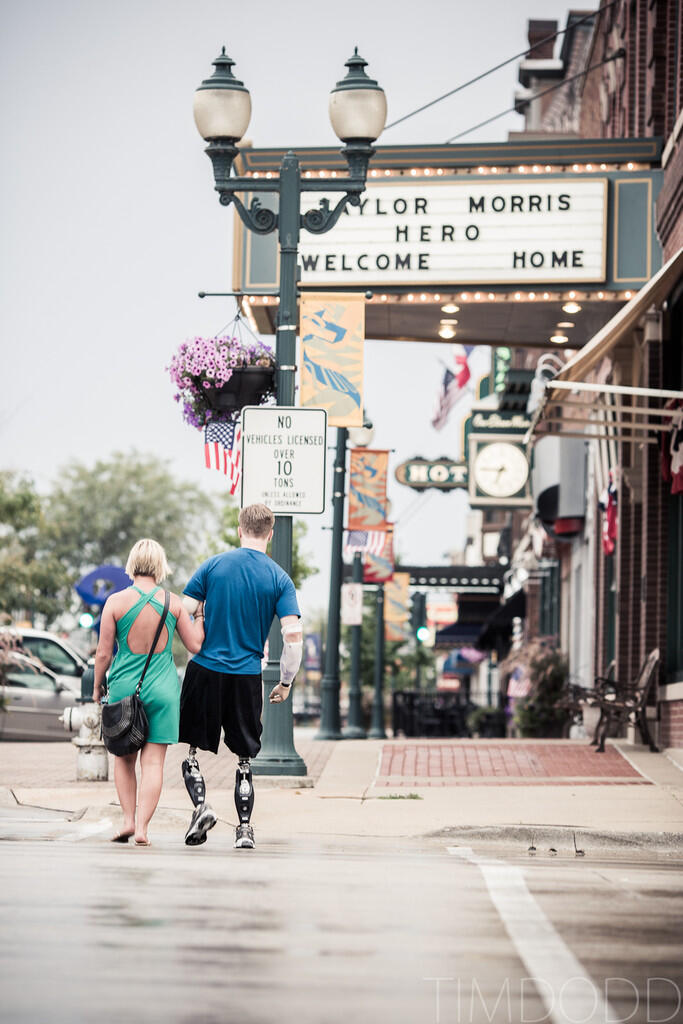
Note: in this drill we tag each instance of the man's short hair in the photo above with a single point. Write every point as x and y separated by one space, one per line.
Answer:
256 520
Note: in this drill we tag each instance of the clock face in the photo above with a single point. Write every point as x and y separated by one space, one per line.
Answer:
500 469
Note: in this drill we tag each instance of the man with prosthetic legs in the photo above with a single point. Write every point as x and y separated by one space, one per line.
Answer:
242 592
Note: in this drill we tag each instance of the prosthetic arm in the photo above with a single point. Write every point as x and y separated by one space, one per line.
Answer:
292 649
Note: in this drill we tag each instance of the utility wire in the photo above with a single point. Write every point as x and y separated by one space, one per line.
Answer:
615 56
522 53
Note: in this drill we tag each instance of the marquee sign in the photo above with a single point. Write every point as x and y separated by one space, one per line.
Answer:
517 230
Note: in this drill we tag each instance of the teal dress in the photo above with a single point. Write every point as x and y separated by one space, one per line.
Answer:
160 693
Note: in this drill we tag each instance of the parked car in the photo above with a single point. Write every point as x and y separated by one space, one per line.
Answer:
56 654
31 700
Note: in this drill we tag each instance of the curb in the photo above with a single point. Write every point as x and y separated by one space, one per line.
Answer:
559 839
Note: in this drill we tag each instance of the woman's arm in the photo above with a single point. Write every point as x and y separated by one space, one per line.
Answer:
105 648
190 632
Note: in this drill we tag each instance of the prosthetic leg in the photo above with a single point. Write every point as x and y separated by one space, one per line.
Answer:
244 802
203 817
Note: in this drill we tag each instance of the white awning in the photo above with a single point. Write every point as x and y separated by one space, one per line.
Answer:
574 407
651 294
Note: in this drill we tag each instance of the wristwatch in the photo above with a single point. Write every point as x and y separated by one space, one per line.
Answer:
285 684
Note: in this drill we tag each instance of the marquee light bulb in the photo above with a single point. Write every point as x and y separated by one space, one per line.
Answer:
450 307
571 307
559 339
446 332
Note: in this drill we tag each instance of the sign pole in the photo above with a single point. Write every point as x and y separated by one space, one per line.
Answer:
354 726
377 728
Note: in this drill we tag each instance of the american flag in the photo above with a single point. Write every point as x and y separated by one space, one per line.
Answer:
223 450
452 386
371 541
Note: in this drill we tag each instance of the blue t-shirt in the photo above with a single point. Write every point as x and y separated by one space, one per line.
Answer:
243 591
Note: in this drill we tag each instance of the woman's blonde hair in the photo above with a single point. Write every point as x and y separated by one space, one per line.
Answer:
147 558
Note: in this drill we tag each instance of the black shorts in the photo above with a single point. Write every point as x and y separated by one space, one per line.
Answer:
210 700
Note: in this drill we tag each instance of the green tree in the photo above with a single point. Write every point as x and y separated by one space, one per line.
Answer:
30 577
228 537
95 514
400 658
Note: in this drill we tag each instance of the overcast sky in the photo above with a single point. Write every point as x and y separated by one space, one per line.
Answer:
110 225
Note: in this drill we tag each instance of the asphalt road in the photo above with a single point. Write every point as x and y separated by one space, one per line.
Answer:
331 930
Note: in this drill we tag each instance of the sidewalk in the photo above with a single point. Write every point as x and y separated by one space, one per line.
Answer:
399 788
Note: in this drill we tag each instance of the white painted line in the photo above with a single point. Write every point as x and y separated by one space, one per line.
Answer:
85 831
568 993
633 764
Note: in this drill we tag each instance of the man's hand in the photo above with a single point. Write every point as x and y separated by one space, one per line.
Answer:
97 694
279 693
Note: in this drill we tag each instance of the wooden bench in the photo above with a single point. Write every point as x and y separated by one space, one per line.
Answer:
620 702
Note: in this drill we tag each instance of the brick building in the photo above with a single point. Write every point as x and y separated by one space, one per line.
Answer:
634 88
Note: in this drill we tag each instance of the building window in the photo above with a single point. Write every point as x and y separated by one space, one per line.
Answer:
550 599
674 630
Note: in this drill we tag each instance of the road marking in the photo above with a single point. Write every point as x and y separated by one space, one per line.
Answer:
568 993
85 831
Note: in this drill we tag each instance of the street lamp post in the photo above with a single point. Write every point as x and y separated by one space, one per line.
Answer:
222 110
330 684
330 721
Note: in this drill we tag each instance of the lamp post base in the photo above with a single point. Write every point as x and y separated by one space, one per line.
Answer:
271 764
353 732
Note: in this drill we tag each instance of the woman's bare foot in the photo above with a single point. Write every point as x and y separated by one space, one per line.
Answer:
124 835
141 840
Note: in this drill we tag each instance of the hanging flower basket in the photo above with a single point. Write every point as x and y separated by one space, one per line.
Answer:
247 386
216 377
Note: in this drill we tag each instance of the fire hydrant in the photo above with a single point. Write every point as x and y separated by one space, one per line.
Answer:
92 762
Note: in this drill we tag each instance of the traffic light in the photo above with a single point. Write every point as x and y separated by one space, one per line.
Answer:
418 617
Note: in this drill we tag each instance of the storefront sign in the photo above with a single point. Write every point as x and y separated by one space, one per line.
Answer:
517 230
442 474
283 459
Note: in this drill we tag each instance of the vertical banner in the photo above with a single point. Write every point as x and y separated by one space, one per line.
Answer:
368 490
313 652
396 632
332 332
380 568
396 598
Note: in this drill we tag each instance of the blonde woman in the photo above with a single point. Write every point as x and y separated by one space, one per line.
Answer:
130 618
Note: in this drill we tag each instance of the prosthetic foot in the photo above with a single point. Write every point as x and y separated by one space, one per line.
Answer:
203 817
244 802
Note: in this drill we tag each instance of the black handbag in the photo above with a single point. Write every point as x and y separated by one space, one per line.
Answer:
124 723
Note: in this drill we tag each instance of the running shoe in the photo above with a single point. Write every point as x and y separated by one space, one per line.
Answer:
203 819
244 837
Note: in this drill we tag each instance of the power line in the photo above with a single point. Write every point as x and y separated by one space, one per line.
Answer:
615 56
522 53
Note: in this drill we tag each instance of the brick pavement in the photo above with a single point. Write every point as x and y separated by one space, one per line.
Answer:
508 762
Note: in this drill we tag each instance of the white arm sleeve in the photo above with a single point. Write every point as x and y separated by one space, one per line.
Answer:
292 649
191 603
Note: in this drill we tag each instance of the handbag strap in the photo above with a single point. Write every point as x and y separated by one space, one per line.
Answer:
162 617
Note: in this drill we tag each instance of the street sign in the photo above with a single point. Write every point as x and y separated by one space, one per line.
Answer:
352 604
283 459
443 474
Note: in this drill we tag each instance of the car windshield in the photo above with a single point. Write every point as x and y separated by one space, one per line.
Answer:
52 655
28 679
